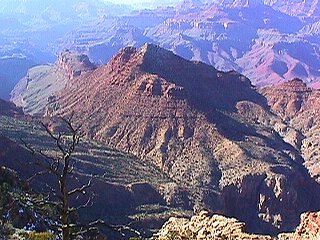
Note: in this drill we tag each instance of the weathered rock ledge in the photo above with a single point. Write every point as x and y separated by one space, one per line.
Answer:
203 226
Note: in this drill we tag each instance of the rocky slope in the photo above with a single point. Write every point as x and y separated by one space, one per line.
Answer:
9 109
298 106
203 226
210 131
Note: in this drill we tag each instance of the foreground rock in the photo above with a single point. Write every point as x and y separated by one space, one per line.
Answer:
203 226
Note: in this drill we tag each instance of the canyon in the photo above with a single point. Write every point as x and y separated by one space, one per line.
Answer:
230 147
268 41
204 113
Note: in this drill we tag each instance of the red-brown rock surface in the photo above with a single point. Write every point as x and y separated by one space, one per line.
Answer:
299 107
309 225
210 131
287 99
204 227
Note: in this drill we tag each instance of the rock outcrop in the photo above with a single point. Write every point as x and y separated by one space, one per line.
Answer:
309 226
298 106
286 99
203 227
73 65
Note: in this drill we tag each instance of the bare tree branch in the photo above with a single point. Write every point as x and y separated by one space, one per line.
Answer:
62 166
81 189
85 205
30 179
51 167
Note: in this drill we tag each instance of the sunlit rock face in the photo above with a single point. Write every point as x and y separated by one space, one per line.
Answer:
211 131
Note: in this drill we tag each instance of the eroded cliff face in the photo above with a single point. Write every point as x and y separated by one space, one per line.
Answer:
298 106
287 99
269 200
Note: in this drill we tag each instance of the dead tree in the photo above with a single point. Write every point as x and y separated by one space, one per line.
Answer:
62 167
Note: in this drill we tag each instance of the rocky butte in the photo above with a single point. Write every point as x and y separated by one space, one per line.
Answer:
36 90
227 146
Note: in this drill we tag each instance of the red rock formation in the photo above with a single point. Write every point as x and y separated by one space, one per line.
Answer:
286 99
74 64
299 106
203 227
209 130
